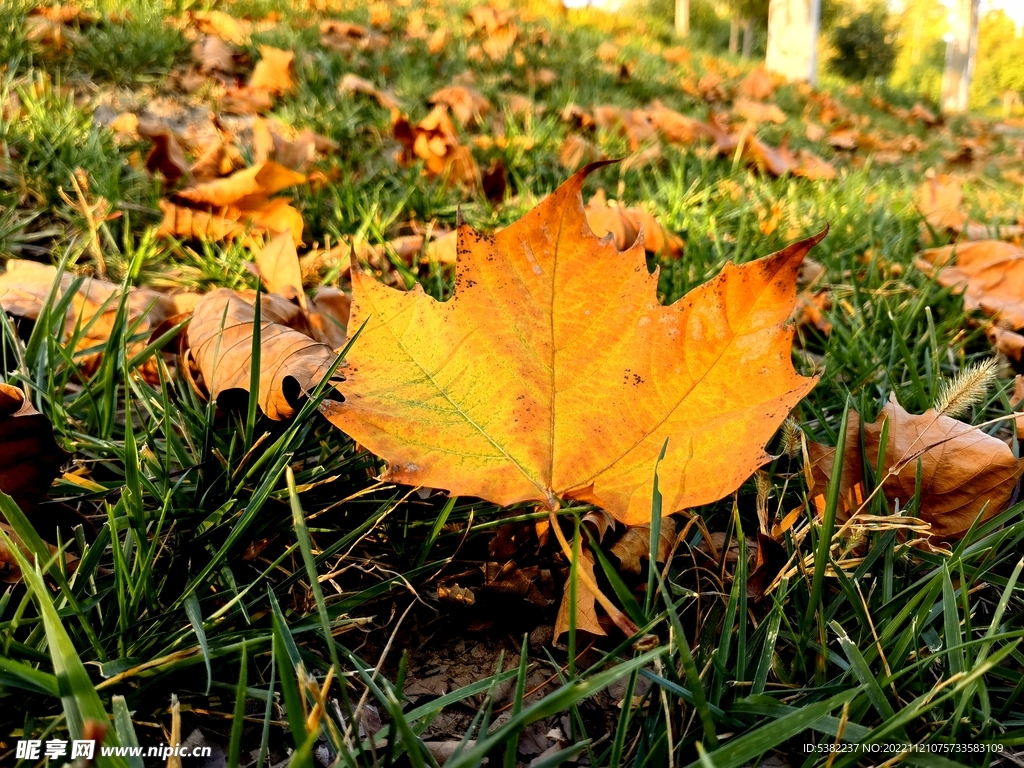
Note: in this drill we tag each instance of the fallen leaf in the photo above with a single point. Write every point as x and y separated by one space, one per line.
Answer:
939 200
245 101
635 544
577 151
495 417
433 140
759 112
219 348
189 223
759 84
345 37
814 132
273 72
777 161
844 138
352 83
811 307
770 557
467 104
586 603
92 310
675 127
213 55
963 469
1015 399
30 458
223 25
625 225
677 55
242 187
278 264
920 112
329 316
989 273
813 167
497 30
166 156
1009 343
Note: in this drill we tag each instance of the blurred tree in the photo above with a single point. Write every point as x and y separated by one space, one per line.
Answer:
743 15
920 27
999 76
864 45
682 18
961 55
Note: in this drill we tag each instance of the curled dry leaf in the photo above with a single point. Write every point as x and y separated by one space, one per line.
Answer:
811 307
166 156
1007 342
244 196
329 316
844 138
635 544
472 395
223 25
495 28
433 140
278 264
577 151
778 161
25 285
990 273
813 167
29 456
189 223
677 55
1015 399
770 557
467 104
245 101
241 188
352 83
213 56
323 318
219 348
586 603
344 37
625 225
963 469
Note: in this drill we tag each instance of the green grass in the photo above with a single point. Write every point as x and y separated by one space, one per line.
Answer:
201 552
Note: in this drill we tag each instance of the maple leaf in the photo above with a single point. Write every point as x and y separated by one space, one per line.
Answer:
555 372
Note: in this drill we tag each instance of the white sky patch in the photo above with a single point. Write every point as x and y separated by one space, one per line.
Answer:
1013 8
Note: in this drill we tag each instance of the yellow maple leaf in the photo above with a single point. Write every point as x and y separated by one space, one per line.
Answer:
554 371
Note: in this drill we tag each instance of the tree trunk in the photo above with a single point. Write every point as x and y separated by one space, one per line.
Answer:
734 33
748 37
793 39
960 55
682 17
